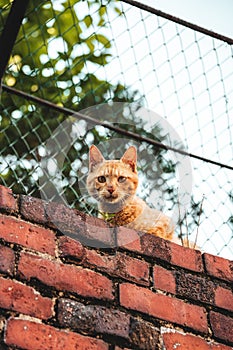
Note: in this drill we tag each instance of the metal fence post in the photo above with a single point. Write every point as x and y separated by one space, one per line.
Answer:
10 32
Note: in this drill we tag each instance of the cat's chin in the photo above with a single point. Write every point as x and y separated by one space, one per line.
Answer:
110 204
111 199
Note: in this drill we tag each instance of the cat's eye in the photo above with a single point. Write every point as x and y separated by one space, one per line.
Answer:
121 179
102 179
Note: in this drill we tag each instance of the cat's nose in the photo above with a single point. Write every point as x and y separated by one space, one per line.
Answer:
110 189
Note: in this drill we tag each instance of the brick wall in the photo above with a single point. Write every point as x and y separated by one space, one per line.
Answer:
60 292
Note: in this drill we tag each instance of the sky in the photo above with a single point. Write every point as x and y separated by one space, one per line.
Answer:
215 15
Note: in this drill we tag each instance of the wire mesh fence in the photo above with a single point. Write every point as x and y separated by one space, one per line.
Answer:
150 77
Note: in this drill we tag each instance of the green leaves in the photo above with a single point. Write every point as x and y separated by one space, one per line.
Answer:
56 42
88 20
54 31
103 40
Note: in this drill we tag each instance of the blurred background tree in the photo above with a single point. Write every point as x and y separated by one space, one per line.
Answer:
50 60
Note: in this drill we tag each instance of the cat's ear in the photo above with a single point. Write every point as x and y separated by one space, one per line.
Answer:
130 158
95 157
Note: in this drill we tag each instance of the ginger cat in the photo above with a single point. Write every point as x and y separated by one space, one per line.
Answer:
113 183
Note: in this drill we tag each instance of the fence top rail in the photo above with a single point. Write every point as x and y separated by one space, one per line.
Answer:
179 21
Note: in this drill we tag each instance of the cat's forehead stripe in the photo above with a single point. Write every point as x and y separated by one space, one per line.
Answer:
111 171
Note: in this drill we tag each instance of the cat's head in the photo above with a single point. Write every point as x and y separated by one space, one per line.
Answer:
112 182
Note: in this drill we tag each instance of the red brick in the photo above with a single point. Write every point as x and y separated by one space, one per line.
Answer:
174 340
65 219
188 258
28 235
224 298
18 297
219 267
65 277
7 260
71 247
103 261
30 335
222 326
156 247
33 209
119 265
7 200
163 307
99 233
164 279
128 239
89 230
132 269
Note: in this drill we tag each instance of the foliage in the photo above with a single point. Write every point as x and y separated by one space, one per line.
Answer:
49 60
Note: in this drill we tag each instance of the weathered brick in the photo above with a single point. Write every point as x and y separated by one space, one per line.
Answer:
128 239
7 260
170 252
28 235
119 265
164 279
222 326
195 287
99 233
219 267
99 319
65 219
88 230
71 247
7 200
143 334
163 307
156 247
65 277
93 318
174 340
224 298
18 297
31 335
188 258
33 209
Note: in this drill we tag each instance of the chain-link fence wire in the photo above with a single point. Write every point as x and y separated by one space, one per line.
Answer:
77 54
